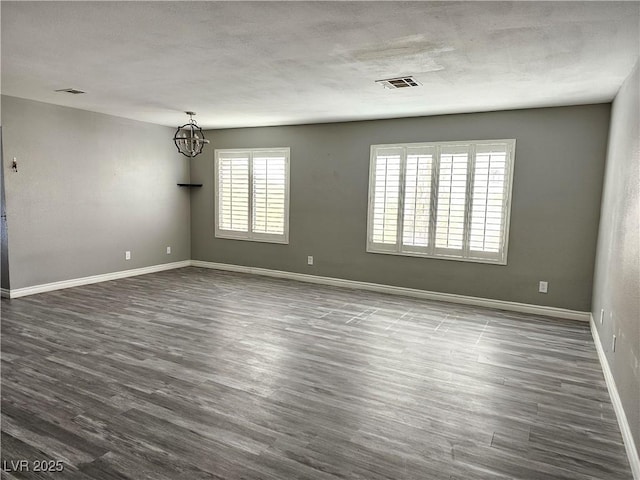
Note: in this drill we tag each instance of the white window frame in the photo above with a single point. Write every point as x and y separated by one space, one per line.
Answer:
430 251
249 235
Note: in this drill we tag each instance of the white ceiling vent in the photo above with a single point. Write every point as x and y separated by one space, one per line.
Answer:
74 91
399 82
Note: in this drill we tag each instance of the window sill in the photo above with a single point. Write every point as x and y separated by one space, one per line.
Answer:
281 241
438 257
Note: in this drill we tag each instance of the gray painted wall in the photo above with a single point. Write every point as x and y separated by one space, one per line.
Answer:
559 164
616 286
4 252
89 186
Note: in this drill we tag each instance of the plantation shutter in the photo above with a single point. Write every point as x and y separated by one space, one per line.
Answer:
441 199
386 172
233 192
417 198
452 197
489 200
252 194
269 193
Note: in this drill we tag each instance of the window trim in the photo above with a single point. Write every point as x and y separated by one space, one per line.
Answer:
249 235
432 251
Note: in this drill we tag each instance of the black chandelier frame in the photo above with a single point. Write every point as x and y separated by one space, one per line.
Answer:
191 144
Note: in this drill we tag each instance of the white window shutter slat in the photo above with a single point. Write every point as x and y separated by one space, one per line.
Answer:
417 197
487 225
269 190
233 197
451 198
386 199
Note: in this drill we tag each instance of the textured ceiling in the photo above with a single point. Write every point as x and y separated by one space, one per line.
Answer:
274 63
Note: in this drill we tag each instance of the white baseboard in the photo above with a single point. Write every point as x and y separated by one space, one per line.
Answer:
625 428
5 293
338 282
76 282
409 292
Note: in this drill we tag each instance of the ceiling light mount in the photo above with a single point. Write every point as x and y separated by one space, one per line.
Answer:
189 138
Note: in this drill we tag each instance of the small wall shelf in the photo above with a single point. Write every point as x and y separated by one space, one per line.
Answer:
190 185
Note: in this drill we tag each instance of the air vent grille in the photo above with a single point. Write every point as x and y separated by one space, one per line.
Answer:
400 82
74 91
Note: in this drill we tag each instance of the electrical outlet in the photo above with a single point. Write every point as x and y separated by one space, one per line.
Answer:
613 344
601 316
543 287
310 260
168 250
127 255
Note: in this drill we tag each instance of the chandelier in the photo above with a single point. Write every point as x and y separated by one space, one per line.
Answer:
189 138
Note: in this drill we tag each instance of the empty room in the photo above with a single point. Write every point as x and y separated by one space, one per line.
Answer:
320 240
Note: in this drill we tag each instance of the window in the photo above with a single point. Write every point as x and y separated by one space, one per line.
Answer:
252 192
445 199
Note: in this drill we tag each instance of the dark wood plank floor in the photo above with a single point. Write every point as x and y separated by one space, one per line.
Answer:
199 374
